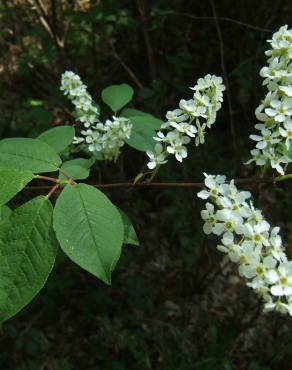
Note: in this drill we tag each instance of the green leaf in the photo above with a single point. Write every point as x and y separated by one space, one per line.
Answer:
117 96
27 255
131 112
142 118
89 229
130 236
77 168
98 156
141 137
83 162
11 182
75 172
28 155
59 137
5 213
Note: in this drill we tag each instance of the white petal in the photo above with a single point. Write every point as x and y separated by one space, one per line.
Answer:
218 229
277 290
204 194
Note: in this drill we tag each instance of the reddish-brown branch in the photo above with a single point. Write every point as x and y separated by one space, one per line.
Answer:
41 177
198 185
53 189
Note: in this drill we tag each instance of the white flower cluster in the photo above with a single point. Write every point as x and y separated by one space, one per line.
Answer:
107 137
185 123
275 111
248 240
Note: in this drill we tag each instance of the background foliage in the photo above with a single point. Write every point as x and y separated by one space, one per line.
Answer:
174 303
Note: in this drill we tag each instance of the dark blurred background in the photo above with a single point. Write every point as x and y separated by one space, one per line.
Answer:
175 302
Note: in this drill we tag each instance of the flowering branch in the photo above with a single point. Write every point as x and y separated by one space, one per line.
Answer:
106 138
273 144
248 240
188 122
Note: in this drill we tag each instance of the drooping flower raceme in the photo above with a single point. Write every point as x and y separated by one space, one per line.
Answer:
249 241
107 137
188 122
275 111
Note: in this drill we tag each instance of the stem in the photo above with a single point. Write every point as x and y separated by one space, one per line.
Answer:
140 176
264 169
154 173
69 179
53 179
284 177
54 188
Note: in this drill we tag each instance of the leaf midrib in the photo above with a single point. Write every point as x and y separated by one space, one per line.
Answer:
91 231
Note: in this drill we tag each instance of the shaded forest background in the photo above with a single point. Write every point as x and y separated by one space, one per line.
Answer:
175 304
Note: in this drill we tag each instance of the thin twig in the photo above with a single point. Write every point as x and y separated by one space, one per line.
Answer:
42 9
224 19
125 66
147 39
42 17
225 76
284 177
207 281
39 8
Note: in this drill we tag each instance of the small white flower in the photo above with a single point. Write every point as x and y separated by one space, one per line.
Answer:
200 139
287 90
185 128
272 70
268 138
283 284
157 157
276 247
236 204
209 217
176 145
276 305
192 109
258 268
258 157
286 132
249 255
229 222
277 159
78 140
280 109
214 183
258 233
177 115
230 247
